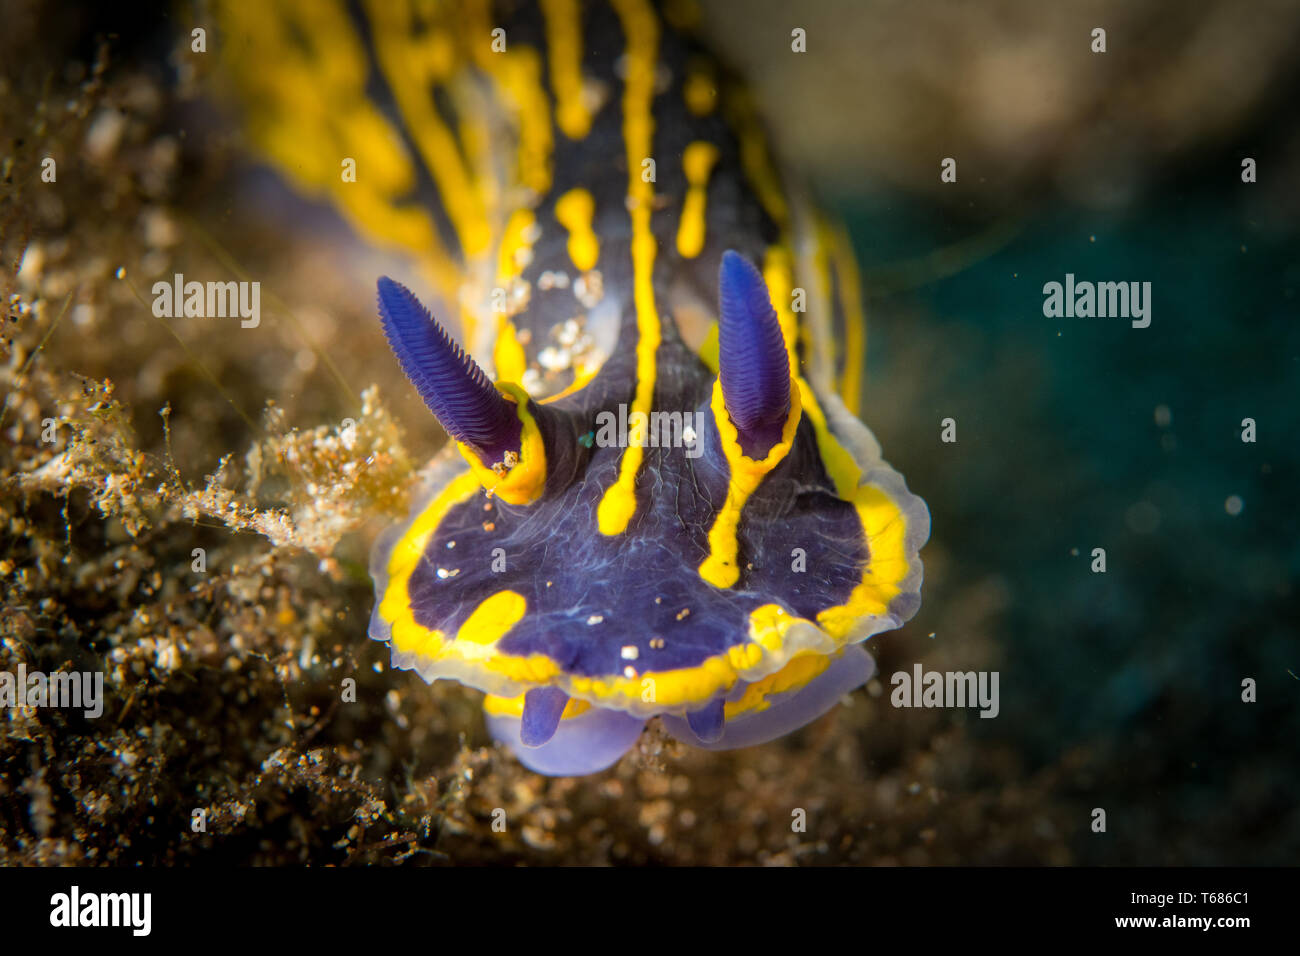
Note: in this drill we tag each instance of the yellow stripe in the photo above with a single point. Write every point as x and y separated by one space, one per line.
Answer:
582 376
512 258
332 124
885 528
883 523
689 685
516 245
300 70
721 568
777 273
517 73
754 156
412 63
474 127
820 341
642 32
575 211
697 164
855 323
837 459
564 49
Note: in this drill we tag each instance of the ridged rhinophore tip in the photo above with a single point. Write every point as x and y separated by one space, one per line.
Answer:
752 360
456 390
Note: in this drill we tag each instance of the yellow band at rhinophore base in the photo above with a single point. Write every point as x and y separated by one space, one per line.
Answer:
523 483
720 568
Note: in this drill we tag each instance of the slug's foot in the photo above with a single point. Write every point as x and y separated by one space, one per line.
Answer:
589 739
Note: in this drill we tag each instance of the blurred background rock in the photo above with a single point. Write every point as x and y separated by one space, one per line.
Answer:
1013 89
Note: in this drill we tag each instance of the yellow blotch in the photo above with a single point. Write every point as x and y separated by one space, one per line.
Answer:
475 639
701 88
697 164
575 211
493 618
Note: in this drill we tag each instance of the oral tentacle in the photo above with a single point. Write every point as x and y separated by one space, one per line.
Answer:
708 723
542 709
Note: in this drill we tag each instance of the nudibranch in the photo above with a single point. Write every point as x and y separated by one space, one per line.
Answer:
726 587
658 501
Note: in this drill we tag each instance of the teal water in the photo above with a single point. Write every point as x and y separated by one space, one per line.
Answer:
1078 433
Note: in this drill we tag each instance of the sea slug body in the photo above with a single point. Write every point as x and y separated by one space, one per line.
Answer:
659 501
